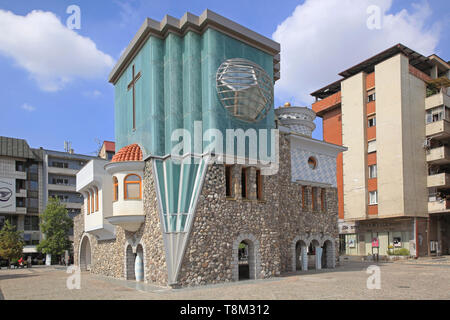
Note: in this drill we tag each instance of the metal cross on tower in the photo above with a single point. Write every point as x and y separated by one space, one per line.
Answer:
132 85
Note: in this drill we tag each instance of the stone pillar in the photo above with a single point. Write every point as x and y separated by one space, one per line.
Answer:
318 258
48 259
251 183
304 259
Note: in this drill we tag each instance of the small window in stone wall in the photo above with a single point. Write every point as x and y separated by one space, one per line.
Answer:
314 198
244 192
322 199
229 181
303 198
312 162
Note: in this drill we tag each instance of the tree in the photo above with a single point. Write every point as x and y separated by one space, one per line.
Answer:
55 225
11 242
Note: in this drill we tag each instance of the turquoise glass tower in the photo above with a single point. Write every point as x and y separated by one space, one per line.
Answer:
167 79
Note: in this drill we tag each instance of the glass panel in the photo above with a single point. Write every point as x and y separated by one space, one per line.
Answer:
133 190
133 177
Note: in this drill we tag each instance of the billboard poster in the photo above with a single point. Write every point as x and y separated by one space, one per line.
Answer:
7 195
374 242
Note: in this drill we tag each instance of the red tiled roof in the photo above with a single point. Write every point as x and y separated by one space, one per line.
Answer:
129 153
110 145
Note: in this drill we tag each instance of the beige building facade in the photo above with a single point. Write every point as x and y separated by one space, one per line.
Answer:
391 111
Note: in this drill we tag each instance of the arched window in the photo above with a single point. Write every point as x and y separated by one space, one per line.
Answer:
88 207
116 189
92 202
96 198
132 186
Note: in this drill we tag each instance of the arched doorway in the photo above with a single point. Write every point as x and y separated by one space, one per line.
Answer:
327 254
85 254
244 260
314 255
139 263
301 258
130 260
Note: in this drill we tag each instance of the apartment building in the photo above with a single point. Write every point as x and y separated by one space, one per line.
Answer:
29 177
108 150
391 111
21 189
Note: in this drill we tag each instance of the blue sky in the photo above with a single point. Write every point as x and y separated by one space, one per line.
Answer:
80 109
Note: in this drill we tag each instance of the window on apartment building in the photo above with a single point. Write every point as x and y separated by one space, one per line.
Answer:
371 122
370 96
372 146
20 202
438 114
31 223
132 187
372 171
20 166
259 185
244 183
373 197
116 189
59 164
228 181
20 185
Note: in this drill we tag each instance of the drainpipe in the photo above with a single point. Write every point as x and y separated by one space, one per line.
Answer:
416 237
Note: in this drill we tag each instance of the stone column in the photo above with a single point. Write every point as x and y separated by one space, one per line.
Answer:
304 259
318 258
251 183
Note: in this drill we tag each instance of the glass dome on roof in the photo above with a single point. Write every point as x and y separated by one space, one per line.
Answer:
244 89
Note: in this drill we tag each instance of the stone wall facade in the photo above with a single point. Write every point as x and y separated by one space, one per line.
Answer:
271 225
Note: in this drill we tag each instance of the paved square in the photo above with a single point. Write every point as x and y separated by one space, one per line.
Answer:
421 279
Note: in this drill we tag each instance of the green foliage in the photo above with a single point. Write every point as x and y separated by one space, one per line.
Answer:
11 242
55 225
431 90
398 252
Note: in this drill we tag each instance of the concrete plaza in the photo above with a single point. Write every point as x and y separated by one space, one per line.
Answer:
412 279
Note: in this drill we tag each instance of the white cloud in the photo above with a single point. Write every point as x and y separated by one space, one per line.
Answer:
27 107
92 94
53 54
322 38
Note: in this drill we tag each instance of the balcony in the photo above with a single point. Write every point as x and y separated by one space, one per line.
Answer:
440 180
438 130
127 213
437 100
439 206
72 205
440 155
91 178
62 171
22 193
61 187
